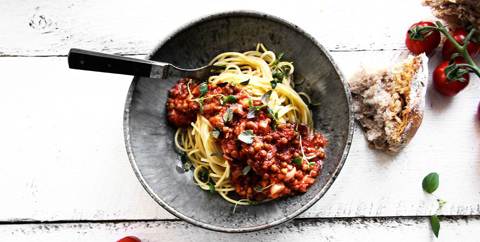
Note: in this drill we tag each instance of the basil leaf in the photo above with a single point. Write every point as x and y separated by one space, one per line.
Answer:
430 182
215 133
203 175
272 114
203 89
246 169
311 163
297 160
251 113
250 103
266 97
244 83
186 164
229 99
273 83
228 115
435 223
246 136
211 187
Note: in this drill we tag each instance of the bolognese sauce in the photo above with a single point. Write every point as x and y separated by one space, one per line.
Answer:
268 159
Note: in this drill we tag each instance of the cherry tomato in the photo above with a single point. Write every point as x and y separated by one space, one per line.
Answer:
459 35
129 239
446 86
419 42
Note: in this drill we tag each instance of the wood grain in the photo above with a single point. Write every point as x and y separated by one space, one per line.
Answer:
398 229
64 156
44 28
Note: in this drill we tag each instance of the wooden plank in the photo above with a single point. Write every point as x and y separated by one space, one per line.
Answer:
64 157
464 229
44 27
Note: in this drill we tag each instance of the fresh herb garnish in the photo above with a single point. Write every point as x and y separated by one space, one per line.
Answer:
311 163
251 113
244 83
211 186
266 97
430 182
273 83
228 115
229 99
246 169
297 160
435 223
186 164
203 89
250 102
271 114
246 136
215 133
203 175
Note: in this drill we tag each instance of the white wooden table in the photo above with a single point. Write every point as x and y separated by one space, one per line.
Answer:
65 175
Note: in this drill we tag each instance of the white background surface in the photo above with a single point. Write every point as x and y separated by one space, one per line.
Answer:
63 157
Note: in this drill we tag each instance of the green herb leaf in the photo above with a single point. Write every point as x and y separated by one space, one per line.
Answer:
271 114
211 186
311 163
435 223
246 169
186 164
251 113
203 175
229 99
215 133
250 102
246 136
297 160
266 97
228 115
203 89
244 83
430 182
273 83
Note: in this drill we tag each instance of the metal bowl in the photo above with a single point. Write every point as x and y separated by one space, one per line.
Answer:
149 138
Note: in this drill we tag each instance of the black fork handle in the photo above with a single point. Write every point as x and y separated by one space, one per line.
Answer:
101 62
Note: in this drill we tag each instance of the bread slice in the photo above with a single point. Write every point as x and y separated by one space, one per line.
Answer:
389 103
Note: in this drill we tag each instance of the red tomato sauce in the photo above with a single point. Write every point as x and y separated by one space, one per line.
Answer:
273 153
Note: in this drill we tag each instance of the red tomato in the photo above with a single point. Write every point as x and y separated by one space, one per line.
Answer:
129 239
459 35
422 42
446 86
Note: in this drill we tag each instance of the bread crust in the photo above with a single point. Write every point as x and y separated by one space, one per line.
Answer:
389 125
415 107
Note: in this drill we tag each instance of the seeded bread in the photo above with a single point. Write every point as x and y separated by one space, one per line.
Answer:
389 103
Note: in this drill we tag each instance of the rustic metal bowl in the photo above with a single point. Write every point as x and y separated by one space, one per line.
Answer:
149 138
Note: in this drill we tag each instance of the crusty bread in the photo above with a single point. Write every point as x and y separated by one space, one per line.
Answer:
456 13
389 103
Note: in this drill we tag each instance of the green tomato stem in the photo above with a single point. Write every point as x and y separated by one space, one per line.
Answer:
460 49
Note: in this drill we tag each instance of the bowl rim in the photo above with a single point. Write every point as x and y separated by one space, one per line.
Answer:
316 198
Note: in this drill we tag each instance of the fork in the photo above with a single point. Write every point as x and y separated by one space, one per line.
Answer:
101 62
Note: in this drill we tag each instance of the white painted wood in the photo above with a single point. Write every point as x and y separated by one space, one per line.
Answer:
63 154
46 27
306 231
